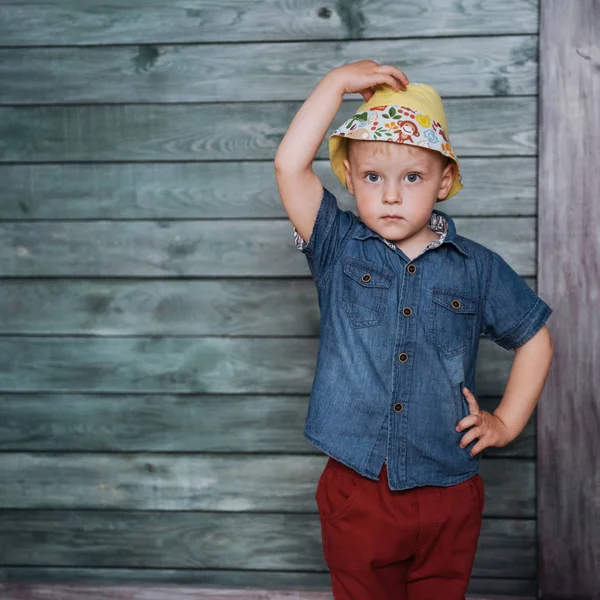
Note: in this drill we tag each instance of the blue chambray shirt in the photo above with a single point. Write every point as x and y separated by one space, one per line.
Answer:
398 342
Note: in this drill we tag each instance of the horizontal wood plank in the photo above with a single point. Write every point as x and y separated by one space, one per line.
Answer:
16 578
498 66
186 423
212 540
108 307
231 131
231 483
187 365
493 187
75 592
212 248
68 22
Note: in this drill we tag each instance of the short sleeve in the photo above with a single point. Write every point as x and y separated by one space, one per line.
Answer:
330 227
512 312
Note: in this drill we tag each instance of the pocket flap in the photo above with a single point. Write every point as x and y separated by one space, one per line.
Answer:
367 274
455 301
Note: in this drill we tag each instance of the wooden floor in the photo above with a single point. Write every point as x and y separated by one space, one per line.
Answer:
17 591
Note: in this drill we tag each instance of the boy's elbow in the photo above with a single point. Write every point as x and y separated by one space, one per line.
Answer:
283 165
279 164
282 158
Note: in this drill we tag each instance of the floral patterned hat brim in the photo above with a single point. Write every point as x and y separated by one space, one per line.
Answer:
402 125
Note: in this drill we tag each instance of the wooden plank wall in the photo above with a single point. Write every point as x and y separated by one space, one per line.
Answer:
569 415
160 329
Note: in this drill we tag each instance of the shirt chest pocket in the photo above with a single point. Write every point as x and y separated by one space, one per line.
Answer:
366 290
452 319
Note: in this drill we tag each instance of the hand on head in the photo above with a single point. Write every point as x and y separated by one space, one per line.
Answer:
363 75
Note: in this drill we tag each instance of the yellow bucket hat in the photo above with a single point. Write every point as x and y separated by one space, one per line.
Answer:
415 117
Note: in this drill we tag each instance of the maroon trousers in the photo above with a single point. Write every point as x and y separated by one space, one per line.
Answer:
379 544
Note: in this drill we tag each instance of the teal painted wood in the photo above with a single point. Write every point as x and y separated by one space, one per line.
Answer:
175 579
272 541
212 248
75 592
187 423
237 579
249 307
129 431
186 365
480 127
497 66
67 22
501 186
224 483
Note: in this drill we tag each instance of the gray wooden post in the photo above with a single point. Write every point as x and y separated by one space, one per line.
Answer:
569 277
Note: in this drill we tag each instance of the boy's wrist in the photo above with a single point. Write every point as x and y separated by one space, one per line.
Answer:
334 83
510 429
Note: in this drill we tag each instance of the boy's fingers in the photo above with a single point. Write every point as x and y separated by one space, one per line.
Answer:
392 82
471 435
474 418
472 401
477 448
396 73
470 421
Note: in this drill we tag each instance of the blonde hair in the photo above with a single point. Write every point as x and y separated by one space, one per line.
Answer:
383 147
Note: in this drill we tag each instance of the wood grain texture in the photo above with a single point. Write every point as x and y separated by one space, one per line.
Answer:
68 22
109 307
497 66
75 592
209 540
153 392
230 131
209 365
225 483
211 248
230 578
187 423
569 259
497 187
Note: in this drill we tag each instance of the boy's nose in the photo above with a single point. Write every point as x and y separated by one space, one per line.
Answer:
392 194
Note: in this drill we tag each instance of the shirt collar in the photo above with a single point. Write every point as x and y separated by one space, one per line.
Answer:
363 232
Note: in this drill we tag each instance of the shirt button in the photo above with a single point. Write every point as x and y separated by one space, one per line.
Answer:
398 407
403 357
406 311
455 304
366 277
411 268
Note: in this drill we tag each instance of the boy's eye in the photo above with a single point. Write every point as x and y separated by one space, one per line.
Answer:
412 177
372 177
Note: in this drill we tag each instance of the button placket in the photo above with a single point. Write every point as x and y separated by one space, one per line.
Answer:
406 337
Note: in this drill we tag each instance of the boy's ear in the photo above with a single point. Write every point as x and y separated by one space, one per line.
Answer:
347 172
447 180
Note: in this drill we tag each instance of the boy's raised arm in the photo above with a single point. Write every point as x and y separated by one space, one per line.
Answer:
299 186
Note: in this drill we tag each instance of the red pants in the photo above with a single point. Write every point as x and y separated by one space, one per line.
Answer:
379 544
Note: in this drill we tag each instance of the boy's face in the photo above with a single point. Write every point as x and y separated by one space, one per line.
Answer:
396 179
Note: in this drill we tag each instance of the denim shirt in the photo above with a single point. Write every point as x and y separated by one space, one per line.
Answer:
398 342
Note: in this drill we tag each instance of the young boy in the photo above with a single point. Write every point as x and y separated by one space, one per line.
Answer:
403 300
